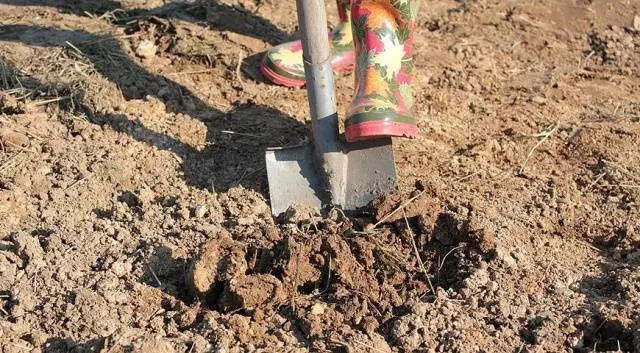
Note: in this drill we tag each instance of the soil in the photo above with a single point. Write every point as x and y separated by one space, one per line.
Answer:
134 211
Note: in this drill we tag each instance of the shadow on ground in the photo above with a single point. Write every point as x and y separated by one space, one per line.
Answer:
218 16
227 161
60 345
615 289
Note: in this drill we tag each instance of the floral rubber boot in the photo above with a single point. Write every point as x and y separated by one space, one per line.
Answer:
383 38
283 64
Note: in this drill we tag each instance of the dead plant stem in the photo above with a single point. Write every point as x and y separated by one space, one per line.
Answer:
544 138
401 207
415 249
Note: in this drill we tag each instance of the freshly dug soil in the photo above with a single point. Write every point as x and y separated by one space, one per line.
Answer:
134 211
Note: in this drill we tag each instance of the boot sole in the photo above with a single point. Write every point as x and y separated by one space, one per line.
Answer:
369 130
278 79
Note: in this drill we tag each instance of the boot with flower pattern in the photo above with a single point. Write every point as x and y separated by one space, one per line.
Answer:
283 64
383 38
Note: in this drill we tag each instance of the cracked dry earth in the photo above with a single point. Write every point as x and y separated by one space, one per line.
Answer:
134 211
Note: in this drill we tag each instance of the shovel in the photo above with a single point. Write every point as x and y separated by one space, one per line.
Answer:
326 172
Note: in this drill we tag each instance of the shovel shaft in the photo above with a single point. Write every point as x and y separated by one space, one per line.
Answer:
312 19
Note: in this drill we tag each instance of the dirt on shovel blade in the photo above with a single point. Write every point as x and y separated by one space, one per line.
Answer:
133 193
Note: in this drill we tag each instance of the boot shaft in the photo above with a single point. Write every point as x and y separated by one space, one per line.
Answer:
383 38
284 64
344 10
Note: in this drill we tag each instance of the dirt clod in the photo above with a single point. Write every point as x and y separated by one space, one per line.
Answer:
251 292
12 140
146 49
220 260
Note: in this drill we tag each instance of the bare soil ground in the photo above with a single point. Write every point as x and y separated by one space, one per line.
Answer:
133 199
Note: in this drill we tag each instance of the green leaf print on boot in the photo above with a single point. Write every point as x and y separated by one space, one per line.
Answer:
283 64
383 39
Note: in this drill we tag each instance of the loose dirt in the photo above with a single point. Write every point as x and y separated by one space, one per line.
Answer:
133 197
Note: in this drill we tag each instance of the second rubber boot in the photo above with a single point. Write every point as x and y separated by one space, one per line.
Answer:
283 64
383 38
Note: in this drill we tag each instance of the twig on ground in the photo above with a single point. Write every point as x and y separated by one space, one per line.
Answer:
545 136
111 14
464 177
204 71
595 181
415 249
628 186
244 173
399 208
247 175
239 133
326 288
52 100
78 182
238 75
78 51
581 63
6 162
176 157
153 273
590 246
546 270
446 255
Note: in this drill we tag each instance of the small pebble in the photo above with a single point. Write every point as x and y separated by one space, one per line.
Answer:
121 269
200 211
146 49
539 100
318 309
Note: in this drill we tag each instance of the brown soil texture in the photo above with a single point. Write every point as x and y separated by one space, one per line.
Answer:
134 211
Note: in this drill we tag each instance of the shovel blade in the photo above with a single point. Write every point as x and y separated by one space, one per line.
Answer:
296 179
371 171
293 178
